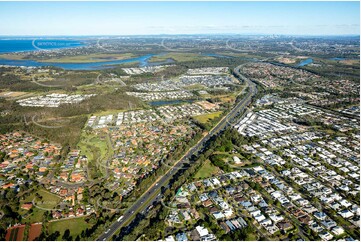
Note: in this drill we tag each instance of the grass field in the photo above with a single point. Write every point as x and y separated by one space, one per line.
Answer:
204 118
207 170
228 98
97 57
12 94
96 148
92 146
180 57
49 201
11 56
75 226
89 58
195 87
350 62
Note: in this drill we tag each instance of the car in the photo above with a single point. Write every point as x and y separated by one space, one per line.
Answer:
107 231
156 184
132 211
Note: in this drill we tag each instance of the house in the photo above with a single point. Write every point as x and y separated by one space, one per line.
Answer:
194 213
236 160
305 219
181 237
315 227
228 213
230 225
335 205
255 213
57 215
71 214
346 213
27 206
169 238
285 225
325 235
272 229
337 230
329 223
266 222
207 203
260 218
202 231
80 212
345 203
276 218
218 215
225 227
246 204
185 215
320 215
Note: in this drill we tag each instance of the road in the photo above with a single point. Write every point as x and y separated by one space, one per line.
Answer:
154 192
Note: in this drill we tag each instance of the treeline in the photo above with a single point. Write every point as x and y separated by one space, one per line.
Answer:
230 62
66 82
116 100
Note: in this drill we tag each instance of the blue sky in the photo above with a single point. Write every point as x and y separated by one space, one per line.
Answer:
128 18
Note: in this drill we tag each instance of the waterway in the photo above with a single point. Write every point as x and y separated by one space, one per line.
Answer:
338 58
305 62
142 60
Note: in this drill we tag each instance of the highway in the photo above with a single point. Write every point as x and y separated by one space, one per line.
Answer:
154 192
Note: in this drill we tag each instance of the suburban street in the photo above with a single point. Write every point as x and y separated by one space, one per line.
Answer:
154 192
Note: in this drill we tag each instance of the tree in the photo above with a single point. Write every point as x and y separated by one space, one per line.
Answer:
66 235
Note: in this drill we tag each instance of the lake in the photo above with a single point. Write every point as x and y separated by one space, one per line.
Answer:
18 45
305 62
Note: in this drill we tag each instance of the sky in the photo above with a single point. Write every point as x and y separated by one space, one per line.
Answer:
144 18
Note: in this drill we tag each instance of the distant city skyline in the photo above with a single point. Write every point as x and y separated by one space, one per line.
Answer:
145 18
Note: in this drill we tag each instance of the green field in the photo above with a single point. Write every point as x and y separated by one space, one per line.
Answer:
90 58
35 216
93 146
96 148
180 57
75 225
48 201
205 118
207 170
98 57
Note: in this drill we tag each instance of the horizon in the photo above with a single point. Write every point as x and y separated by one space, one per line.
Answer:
179 18
195 34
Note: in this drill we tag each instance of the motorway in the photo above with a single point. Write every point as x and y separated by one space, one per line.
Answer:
154 192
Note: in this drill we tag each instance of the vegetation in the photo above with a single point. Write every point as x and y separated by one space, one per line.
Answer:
207 170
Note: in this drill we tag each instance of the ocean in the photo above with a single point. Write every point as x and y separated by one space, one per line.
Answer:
18 45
